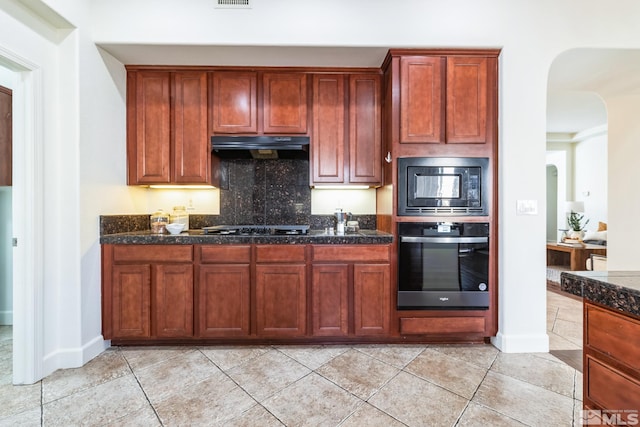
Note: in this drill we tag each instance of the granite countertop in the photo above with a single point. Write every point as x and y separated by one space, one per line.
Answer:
619 290
198 237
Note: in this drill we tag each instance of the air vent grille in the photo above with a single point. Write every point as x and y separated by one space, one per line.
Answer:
233 4
443 211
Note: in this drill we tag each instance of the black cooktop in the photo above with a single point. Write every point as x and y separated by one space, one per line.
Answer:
253 230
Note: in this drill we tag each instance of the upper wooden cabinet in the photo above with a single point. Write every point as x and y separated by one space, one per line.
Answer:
234 99
285 103
446 99
251 102
346 147
167 128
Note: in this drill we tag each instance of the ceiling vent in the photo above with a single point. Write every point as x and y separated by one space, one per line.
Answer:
233 4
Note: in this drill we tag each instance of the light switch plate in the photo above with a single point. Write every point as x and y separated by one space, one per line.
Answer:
527 207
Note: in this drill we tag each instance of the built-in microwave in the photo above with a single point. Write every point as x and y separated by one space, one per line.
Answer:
443 186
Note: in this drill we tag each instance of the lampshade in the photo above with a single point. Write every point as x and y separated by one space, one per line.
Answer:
574 207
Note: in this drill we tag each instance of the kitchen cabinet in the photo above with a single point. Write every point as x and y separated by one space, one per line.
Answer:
447 99
611 359
351 279
5 136
281 290
237 107
234 98
224 286
167 128
284 105
347 144
147 291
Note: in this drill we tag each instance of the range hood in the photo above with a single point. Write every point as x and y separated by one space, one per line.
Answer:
260 147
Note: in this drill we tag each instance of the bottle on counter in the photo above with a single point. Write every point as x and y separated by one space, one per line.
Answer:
159 220
180 216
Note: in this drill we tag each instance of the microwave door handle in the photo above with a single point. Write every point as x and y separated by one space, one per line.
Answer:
451 239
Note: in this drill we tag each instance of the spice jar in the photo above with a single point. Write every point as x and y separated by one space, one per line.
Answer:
159 219
180 216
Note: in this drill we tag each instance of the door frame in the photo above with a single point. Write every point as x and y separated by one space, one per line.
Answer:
28 218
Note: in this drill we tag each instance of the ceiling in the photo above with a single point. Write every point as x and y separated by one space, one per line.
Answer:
578 79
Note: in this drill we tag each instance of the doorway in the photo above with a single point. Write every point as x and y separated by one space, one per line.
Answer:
6 227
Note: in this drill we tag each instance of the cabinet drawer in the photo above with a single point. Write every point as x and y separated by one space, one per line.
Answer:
355 253
225 254
152 253
441 325
609 388
613 334
280 253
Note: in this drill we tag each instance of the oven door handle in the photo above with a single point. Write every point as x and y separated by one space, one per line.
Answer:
451 239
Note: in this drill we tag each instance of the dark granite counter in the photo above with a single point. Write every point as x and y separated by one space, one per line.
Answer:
618 290
191 237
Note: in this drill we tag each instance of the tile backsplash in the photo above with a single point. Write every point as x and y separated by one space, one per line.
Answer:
260 192
265 192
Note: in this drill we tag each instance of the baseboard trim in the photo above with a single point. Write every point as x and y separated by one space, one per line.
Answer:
74 357
521 343
6 317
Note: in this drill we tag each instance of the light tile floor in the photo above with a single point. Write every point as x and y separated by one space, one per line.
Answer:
354 385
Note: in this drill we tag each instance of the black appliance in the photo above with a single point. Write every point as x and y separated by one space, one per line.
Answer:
260 147
253 230
443 186
443 266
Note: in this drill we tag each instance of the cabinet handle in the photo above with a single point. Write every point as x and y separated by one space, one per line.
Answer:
388 157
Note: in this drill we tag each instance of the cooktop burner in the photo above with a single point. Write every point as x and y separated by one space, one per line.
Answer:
252 230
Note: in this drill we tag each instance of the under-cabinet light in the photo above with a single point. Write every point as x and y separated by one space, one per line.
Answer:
181 187
341 187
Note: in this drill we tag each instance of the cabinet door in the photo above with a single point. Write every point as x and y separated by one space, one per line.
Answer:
191 153
285 103
328 145
5 136
173 302
131 307
234 102
365 141
422 113
466 100
224 300
371 284
281 300
330 301
149 127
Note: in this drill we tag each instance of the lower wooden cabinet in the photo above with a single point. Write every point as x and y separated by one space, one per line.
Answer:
172 306
281 290
147 291
611 378
131 307
252 292
330 300
224 300
224 291
358 286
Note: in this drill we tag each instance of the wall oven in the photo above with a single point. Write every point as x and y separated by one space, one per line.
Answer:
443 266
443 186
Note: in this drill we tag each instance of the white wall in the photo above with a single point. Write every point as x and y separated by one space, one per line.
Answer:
590 186
84 120
527 53
623 201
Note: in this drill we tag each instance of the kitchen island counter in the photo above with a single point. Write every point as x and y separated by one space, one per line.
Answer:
611 342
365 237
618 290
